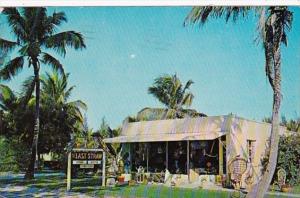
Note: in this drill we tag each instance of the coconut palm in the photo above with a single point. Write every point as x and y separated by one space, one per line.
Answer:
60 117
169 90
273 24
35 33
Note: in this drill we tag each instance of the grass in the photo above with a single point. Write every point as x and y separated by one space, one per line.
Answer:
92 186
153 191
296 189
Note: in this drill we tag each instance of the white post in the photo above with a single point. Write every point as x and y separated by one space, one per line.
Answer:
167 155
103 169
69 171
148 144
188 160
220 157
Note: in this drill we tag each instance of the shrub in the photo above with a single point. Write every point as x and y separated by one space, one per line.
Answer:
289 157
13 156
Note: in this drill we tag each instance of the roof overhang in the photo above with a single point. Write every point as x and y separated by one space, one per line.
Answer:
165 137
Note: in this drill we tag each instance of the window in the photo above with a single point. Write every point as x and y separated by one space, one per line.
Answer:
250 147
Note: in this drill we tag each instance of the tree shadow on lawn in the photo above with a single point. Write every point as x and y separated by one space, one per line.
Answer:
50 183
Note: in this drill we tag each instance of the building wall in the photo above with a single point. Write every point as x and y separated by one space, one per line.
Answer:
242 131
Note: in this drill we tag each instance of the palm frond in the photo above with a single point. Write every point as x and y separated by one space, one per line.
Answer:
12 68
261 24
187 85
34 18
78 103
60 41
188 99
200 15
16 21
6 45
50 22
160 94
57 18
27 90
7 97
68 92
53 62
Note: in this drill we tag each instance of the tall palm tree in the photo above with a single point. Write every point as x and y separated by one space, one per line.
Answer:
169 90
273 24
35 33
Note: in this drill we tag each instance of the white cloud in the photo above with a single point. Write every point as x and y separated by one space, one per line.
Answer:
132 56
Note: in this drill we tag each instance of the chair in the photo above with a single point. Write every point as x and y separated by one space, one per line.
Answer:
281 177
237 167
140 174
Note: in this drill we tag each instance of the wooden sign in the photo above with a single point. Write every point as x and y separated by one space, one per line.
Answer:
87 166
81 157
86 155
85 158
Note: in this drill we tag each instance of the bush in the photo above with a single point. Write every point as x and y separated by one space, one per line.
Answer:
13 156
289 158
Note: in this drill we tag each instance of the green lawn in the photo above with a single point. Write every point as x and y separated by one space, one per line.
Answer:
153 191
296 189
92 187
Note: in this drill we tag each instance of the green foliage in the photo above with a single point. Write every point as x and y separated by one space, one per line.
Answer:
288 157
59 117
147 114
36 31
288 151
169 90
12 156
104 130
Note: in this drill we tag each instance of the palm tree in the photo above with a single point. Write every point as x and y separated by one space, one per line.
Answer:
169 90
64 116
273 24
36 32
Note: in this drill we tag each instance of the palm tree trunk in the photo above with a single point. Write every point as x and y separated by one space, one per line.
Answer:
262 186
30 170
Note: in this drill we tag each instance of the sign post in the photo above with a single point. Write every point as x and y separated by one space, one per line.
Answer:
69 171
85 158
103 169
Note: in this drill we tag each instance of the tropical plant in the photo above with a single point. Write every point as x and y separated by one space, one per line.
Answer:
59 116
288 157
36 32
169 90
16 126
273 24
291 125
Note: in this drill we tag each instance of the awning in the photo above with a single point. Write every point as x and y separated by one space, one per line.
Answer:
165 137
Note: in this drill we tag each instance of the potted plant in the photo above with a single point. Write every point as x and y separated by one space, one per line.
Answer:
286 188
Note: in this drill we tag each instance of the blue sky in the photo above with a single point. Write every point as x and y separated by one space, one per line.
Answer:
127 47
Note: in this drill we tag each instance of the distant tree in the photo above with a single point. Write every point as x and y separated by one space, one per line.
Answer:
169 90
85 131
104 129
291 124
35 32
